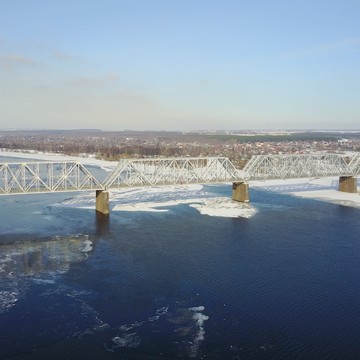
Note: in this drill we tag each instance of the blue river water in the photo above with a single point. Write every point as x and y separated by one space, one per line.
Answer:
282 284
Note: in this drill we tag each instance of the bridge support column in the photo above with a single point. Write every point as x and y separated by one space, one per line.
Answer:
102 202
348 184
240 191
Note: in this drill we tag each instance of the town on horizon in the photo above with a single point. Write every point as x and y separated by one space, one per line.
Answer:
239 146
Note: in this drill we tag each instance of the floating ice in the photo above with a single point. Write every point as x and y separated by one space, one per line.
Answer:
162 311
128 340
44 281
199 319
161 198
188 327
38 262
7 300
216 206
87 246
224 207
152 207
197 308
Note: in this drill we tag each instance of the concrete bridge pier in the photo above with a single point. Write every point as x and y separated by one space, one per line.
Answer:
240 191
102 202
348 184
102 223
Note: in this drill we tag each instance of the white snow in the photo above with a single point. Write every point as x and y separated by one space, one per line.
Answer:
333 196
324 189
224 207
44 156
86 247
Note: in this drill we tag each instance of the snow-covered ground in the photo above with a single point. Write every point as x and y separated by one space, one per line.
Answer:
43 156
161 198
324 189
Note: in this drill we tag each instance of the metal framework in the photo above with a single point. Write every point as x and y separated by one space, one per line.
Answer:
149 172
17 178
354 165
263 167
35 177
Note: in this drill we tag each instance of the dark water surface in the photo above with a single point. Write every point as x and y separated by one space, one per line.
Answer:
283 284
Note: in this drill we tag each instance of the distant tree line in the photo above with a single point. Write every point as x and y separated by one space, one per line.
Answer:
78 146
239 148
301 136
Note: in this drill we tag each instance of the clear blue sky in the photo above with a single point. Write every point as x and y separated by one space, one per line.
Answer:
180 64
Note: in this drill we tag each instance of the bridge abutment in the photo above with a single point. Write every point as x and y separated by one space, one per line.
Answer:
348 184
240 191
102 202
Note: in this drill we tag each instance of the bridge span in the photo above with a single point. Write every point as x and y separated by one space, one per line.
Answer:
39 177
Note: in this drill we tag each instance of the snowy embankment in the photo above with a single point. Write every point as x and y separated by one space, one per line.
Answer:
324 189
87 159
161 198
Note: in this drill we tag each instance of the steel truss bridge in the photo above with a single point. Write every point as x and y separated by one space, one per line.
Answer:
37 177
264 167
172 171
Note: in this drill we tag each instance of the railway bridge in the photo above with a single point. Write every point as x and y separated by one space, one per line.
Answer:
42 177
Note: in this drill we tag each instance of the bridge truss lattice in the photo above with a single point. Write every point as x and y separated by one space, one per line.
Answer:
263 167
354 165
35 177
150 172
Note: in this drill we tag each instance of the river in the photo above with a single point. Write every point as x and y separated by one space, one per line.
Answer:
282 282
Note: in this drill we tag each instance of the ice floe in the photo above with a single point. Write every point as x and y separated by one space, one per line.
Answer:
185 327
7 300
37 262
162 199
224 207
87 246
199 319
130 340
